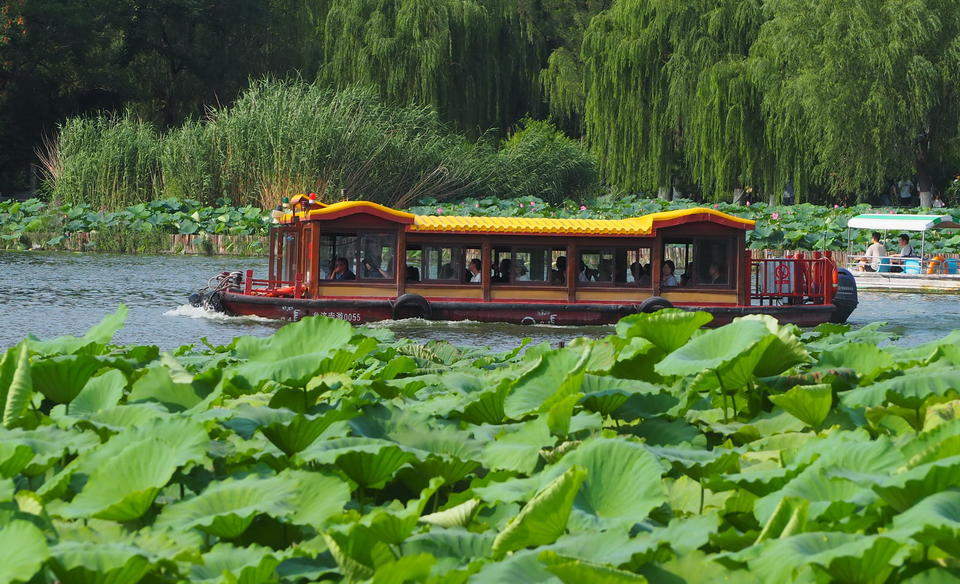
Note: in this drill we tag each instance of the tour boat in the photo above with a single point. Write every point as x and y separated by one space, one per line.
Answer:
363 262
935 273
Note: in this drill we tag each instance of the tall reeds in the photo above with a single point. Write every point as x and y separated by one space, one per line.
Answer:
281 138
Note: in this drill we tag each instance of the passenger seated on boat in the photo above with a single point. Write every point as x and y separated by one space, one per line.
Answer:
446 272
559 275
474 271
341 271
906 250
636 272
413 274
870 262
605 271
714 275
504 273
687 274
667 279
370 270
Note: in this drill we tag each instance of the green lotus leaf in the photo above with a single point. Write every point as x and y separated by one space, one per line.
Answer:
938 442
544 518
933 576
903 489
485 407
357 551
741 343
789 518
47 444
867 360
457 544
457 516
185 438
158 384
228 564
933 521
667 329
125 489
16 384
308 335
61 378
574 571
784 351
370 462
98 563
300 430
117 419
411 568
14 458
319 496
603 394
100 393
91 343
808 403
294 371
226 508
518 447
556 375
24 551
859 559
698 464
522 566
908 391
394 523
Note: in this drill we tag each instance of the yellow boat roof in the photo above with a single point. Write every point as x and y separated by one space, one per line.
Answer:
635 226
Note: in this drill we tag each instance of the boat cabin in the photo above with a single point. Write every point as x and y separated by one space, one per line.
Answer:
361 261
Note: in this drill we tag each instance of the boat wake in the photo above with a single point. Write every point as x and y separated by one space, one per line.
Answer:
190 311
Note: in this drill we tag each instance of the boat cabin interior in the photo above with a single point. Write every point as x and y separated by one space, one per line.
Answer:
359 249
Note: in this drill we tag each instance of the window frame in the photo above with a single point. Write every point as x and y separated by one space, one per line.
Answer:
359 232
613 248
697 242
513 247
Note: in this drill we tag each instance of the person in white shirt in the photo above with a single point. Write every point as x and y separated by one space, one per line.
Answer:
475 268
938 202
668 279
875 251
906 250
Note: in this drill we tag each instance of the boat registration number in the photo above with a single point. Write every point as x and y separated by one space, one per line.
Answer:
347 316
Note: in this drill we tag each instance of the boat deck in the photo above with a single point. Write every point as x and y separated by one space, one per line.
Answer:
917 283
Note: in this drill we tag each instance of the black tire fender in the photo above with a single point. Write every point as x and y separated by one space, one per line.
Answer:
653 304
412 303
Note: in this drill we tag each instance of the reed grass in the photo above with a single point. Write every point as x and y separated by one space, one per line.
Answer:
281 138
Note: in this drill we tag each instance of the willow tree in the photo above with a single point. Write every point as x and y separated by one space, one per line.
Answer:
668 90
860 91
473 60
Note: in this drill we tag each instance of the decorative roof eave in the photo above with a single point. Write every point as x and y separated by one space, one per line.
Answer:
645 226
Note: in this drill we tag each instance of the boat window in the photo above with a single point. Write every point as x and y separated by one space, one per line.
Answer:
714 262
414 259
357 256
530 265
472 265
696 262
290 249
614 266
440 263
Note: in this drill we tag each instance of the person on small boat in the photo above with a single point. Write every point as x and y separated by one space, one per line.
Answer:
714 274
474 271
605 270
341 271
667 277
870 262
559 275
906 250
371 270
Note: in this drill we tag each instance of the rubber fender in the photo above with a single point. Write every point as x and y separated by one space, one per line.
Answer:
654 303
412 303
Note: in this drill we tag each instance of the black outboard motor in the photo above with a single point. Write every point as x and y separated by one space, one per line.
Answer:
210 296
845 300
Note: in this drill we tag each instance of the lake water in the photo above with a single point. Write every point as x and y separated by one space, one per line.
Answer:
51 294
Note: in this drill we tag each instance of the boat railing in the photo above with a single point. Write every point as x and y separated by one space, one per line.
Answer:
792 280
938 264
263 287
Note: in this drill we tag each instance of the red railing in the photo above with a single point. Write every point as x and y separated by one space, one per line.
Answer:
260 287
792 280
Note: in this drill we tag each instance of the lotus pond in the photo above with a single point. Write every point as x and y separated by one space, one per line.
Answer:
663 452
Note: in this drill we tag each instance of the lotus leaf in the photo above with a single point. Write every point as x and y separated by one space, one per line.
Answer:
24 551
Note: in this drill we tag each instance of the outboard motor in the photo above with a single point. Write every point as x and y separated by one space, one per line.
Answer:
210 296
845 300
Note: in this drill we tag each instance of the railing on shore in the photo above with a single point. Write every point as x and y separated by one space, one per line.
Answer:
792 280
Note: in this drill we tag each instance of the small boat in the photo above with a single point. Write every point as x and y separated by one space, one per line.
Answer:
923 272
363 262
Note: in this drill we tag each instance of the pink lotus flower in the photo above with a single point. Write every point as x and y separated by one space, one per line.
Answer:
521 204
532 203
583 207
775 216
748 203
477 205
836 206
439 210
716 206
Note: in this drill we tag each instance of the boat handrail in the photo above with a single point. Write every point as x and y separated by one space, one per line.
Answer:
776 281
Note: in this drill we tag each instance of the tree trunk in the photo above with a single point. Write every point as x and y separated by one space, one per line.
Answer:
665 193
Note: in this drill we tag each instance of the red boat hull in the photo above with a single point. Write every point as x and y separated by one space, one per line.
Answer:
359 311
